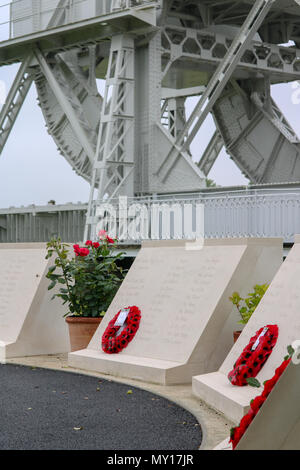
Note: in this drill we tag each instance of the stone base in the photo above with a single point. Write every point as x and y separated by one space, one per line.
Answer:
133 367
216 390
224 445
3 353
26 347
31 323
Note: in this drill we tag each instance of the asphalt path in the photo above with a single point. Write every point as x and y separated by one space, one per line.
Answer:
42 409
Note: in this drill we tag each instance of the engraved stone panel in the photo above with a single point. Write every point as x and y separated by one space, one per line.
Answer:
29 322
281 306
183 295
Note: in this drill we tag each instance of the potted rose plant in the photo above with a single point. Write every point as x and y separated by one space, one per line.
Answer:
87 282
246 306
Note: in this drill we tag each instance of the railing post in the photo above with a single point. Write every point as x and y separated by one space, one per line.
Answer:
10 22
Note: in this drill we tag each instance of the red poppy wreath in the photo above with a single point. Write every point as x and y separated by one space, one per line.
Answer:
255 405
112 342
254 355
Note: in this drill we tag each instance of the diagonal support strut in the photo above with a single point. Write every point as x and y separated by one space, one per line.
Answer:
217 84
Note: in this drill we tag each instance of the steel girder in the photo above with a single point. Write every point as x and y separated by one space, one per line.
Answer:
14 101
218 82
21 85
197 48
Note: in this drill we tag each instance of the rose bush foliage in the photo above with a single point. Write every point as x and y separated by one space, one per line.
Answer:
89 280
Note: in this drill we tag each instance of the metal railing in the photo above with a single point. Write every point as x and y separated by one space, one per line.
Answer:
41 223
239 213
21 17
227 213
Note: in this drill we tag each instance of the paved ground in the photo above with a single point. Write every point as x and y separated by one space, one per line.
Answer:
59 391
46 409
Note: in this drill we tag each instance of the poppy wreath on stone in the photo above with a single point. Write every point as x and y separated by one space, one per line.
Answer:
255 405
254 355
112 342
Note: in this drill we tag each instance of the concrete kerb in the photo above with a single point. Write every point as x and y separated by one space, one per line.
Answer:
215 427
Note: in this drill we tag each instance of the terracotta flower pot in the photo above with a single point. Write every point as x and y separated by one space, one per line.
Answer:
81 331
236 334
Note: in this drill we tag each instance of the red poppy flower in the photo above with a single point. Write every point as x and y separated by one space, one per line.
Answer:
257 403
246 420
269 384
237 433
282 367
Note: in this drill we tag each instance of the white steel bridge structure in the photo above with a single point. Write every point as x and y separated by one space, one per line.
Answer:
135 140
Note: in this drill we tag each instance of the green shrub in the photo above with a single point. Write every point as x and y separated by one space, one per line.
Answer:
246 306
89 280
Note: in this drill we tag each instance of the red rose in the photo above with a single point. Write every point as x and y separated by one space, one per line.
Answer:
83 252
110 240
76 249
89 243
80 251
96 245
102 234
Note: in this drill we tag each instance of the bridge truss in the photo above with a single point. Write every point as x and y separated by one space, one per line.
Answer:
135 140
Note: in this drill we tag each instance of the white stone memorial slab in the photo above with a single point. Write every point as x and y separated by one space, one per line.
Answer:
183 294
30 323
280 305
277 424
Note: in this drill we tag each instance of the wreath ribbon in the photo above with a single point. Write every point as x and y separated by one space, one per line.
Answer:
112 342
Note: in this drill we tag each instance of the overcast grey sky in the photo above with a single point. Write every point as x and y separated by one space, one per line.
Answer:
32 171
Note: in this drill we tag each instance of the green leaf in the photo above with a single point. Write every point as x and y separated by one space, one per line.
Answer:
53 283
253 382
63 290
290 350
51 269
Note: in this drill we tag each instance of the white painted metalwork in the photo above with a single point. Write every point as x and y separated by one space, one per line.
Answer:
113 165
14 101
218 82
211 153
237 212
136 140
